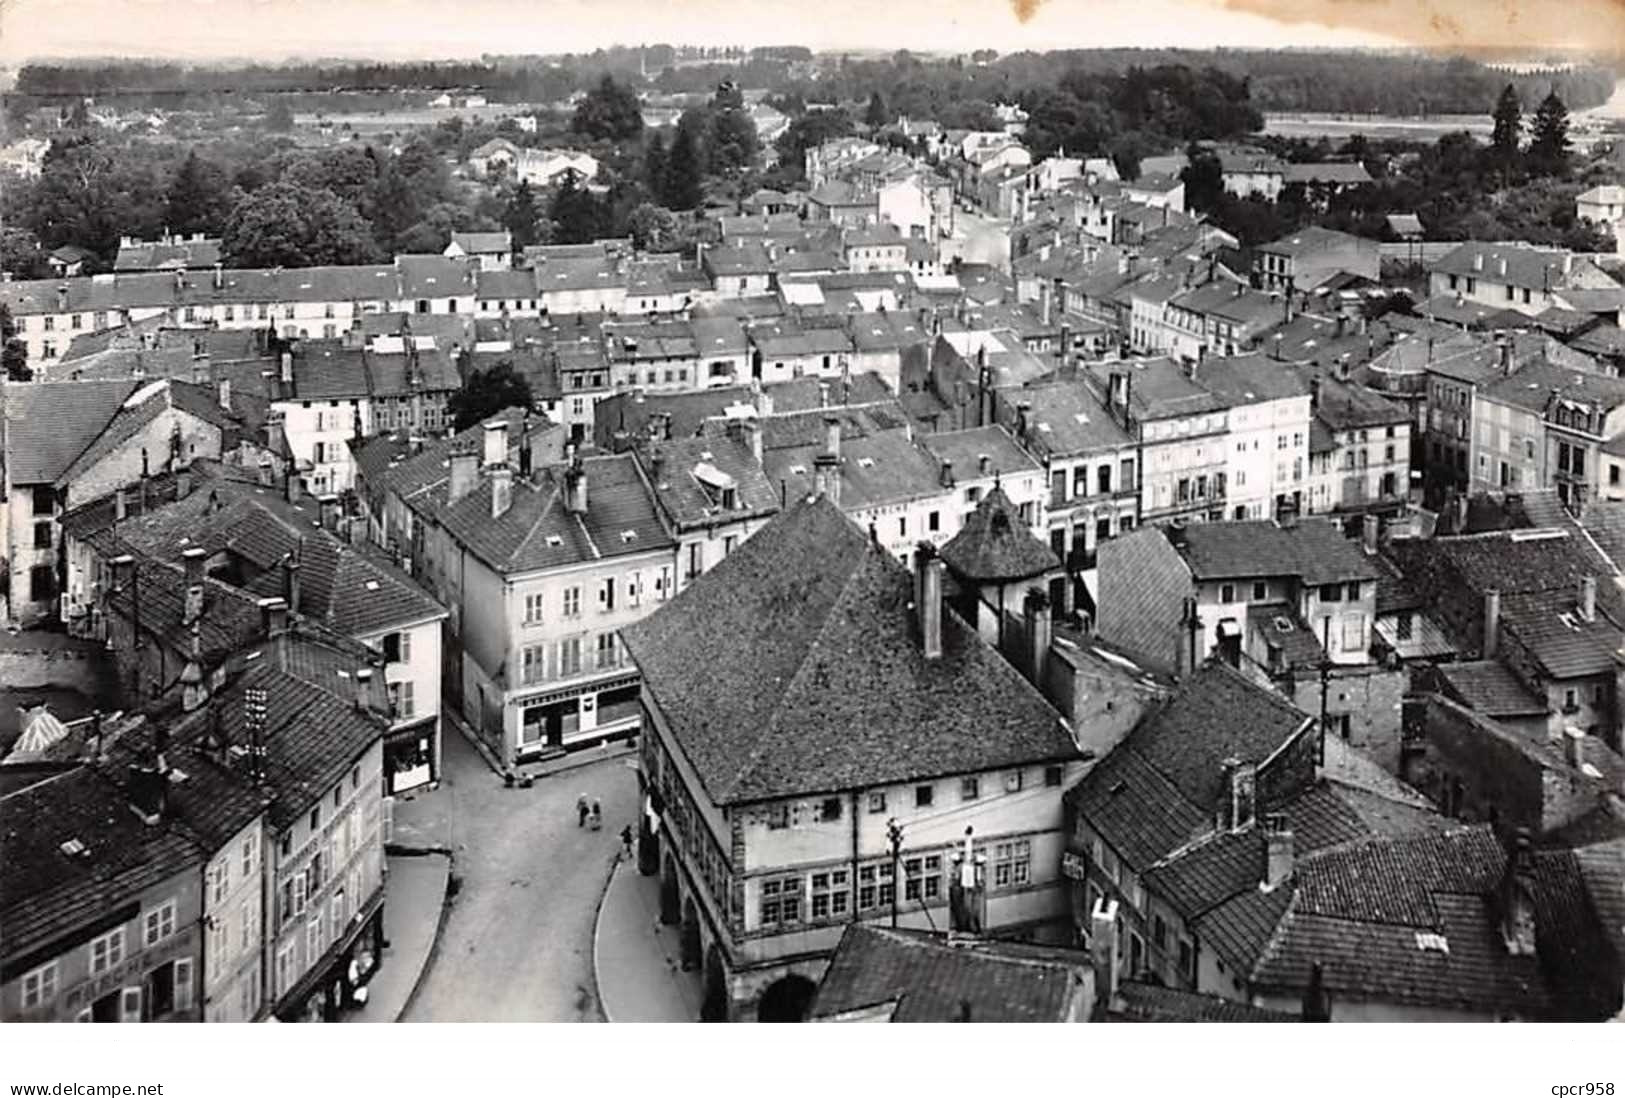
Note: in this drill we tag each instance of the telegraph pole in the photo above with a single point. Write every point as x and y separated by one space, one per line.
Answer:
894 832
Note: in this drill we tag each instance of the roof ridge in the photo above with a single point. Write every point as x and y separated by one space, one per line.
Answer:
769 731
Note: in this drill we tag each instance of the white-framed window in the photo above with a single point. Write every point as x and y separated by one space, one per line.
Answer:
248 924
781 901
248 855
159 923
313 937
107 951
922 878
219 945
572 602
337 914
400 697
1012 863
532 663
183 983
286 973
1012 781
130 1005
533 608
39 986
875 886
570 656
831 893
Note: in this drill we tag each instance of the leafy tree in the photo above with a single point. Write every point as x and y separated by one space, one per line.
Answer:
807 132
728 97
1508 116
487 392
609 112
1203 177
200 198
734 144
86 195
576 213
875 116
685 171
13 352
654 165
21 256
652 228
346 170
519 218
279 118
285 225
1549 144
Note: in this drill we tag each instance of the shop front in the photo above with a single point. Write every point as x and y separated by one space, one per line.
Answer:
411 756
580 716
338 982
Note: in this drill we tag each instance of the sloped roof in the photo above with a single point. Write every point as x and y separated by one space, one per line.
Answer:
793 667
996 546
921 978
1488 687
1312 549
49 424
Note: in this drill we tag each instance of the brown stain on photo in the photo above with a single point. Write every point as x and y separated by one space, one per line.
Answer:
1597 25
1025 9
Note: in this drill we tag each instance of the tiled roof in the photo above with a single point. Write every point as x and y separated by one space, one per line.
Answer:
1160 388
46 893
1525 266
1534 387
484 243
1565 645
878 466
916 977
49 424
996 546
1488 687
1312 549
1137 1002
793 667
1350 407
692 474
1066 419
1249 379
1328 172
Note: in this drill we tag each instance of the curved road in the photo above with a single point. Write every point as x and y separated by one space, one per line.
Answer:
517 944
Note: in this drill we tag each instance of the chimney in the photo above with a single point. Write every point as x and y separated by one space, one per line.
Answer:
363 689
501 490
223 387
219 276
329 511
1478 261
832 438
1492 623
1369 528
1035 608
929 587
293 486
149 790
1574 746
193 559
496 444
1588 598
1501 267
465 472
121 506
1317 1002
183 483
62 298
753 436
290 577
1237 809
287 367
1516 899
827 476
1278 849
1103 948
823 394
1314 392
273 617
200 365
575 489
946 476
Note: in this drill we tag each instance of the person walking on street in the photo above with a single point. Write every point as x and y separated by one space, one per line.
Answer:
626 841
597 816
581 810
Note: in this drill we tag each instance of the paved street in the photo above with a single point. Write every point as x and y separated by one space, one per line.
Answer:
979 239
518 942
639 973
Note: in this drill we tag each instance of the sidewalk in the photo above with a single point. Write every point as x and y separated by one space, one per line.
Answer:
413 908
635 958
560 764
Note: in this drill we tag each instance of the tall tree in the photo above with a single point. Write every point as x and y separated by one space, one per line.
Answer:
520 216
283 225
685 171
487 392
875 116
1508 117
576 212
1203 177
654 166
609 112
279 118
13 352
1549 143
199 199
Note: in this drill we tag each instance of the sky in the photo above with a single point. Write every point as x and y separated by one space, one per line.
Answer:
272 30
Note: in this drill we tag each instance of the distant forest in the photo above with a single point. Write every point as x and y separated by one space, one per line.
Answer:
919 86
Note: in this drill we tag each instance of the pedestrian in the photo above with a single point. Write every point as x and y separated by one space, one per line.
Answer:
581 810
597 816
626 841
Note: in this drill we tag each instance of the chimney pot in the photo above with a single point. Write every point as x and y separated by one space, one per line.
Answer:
1574 746
1278 852
1492 623
1588 598
1035 608
930 568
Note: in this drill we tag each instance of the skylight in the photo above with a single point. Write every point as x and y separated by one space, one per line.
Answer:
554 540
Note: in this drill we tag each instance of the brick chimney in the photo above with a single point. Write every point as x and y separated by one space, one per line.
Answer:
1574 746
832 437
1035 609
753 438
273 617
496 444
928 569
1369 527
223 388
465 471
827 477
1278 852
1492 623
329 504
575 488
1587 598
193 559
363 689
290 577
501 490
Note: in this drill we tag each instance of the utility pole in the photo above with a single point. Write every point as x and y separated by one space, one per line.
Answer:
894 832
1325 680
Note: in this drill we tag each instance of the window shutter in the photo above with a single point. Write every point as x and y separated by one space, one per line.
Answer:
298 893
183 984
389 819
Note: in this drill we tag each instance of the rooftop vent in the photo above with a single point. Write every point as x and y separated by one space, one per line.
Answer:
73 848
554 540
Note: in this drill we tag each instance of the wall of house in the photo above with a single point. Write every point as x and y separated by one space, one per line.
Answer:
422 670
121 468
77 988
233 941
308 924
330 423
1345 1009
1370 698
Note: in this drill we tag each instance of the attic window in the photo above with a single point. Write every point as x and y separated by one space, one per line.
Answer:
372 585
798 470
1080 417
866 462
629 535
554 540
1044 427
73 848
1432 943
